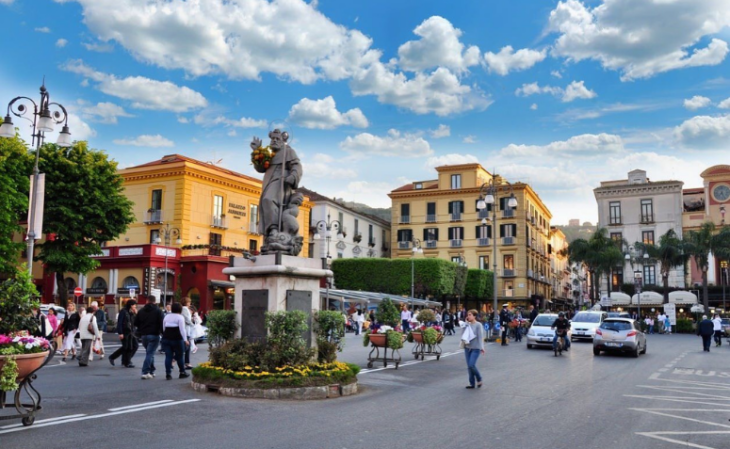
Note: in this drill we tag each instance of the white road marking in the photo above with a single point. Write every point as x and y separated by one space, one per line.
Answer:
655 412
658 436
102 415
44 420
391 365
139 405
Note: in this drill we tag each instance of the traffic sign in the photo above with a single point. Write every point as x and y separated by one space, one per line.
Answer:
78 292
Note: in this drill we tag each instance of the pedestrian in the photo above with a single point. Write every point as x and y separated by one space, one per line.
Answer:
717 328
705 329
69 326
667 324
359 319
197 331
649 324
660 319
188 317
473 347
125 330
448 323
97 346
100 316
372 317
53 320
533 314
88 331
405 318
504 320
149 327
174 340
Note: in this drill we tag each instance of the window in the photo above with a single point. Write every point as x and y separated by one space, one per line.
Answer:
216 240
455 209
503 203
456 233
254 217
253 245
614 212
484 212
154 235
418 186
483 262
217 206
430 234
341 218
508 230
617 280
647 237
405 213
371 241
647 211
340 255
357 226
617 238
430 212
382 237
156 199
508 261
649 275
455 181
405 235
456 259
483 232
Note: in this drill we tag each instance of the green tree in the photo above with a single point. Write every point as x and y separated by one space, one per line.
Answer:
85 206
599 254
700 243
669 253
15 167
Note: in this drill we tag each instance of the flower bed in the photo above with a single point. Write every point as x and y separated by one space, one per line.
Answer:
312 375
19 345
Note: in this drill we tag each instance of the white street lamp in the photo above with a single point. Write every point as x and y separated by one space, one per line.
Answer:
167 234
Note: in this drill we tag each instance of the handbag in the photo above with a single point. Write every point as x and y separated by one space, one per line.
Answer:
90 327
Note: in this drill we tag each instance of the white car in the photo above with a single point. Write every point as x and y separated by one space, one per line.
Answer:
540 332
584 324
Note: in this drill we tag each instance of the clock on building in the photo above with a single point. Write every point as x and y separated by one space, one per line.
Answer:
721 193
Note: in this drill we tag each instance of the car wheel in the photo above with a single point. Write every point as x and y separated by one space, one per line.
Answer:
596 351
529 346
643 351
635 353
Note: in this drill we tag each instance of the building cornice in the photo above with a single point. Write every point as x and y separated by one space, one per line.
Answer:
638 189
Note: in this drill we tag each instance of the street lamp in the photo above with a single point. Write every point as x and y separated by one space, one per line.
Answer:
637 273
167 233
460 261
416 250
723 275
326 226
488 195
42 122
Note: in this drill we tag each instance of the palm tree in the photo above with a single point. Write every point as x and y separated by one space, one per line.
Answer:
671 252
599 254
702 243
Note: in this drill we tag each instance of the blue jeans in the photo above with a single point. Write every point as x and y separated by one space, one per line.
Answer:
566 341
150 343
471 364
174 349
406 325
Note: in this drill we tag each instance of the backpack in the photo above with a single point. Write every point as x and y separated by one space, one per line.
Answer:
45 329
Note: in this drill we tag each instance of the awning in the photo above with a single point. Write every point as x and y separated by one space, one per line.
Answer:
620 299
221 284
682 297
375 298
647 298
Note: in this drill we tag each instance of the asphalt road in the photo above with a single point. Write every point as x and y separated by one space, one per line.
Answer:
675 396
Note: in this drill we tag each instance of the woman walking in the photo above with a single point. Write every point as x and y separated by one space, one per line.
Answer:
69 326
174 340
187 315
473 338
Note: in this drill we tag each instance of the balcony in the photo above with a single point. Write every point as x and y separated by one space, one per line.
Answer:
508 273
483 242
218 222
646 219
431 218
455 243
508 240
484 213
404 245
456 216
431 243
508 213
405 219
530 274
253 228
153 216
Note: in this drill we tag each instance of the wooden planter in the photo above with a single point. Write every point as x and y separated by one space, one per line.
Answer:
27 363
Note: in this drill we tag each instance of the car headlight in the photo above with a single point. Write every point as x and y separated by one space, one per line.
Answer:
531 332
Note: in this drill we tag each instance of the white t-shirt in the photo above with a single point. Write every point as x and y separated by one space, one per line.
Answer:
717 324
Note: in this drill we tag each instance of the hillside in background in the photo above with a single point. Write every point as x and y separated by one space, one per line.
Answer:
585 231
382 213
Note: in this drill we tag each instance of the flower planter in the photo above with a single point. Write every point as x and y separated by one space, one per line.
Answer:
378 340
27 363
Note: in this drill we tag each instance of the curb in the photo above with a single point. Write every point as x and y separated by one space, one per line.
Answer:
302 393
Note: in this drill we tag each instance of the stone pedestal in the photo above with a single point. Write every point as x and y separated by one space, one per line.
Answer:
274 283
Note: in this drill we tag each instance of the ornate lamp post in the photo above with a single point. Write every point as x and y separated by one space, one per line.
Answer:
416 250
166 234
42 122
488 195
326 227
723 275
638 274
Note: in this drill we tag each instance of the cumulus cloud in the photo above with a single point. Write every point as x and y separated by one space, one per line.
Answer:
440 132
374 194
724 104
582 145
61 43
534 89
556 74
183 120
593 113
98 47
507 60
469 139
451 159
641 38
6 2
704 132
533 106
43 30
80 130
323 114
208 118
439 46
324 166
144 93
697 102
394 144
146 140
575 90
103 112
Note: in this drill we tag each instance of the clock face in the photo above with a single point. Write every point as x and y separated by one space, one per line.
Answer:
721 192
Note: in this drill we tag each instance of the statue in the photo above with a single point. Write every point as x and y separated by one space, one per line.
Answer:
279 203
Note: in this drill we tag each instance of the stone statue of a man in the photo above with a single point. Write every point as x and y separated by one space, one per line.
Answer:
281 177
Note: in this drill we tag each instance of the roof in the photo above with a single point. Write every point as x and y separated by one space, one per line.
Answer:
360 296
430 184
176 158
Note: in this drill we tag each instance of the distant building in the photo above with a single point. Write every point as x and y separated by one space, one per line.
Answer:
574 222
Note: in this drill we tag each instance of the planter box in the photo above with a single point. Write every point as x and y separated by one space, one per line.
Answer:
27 363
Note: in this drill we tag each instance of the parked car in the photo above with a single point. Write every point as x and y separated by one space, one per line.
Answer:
726 325
540 332
584 324
60 311
619 335
618 315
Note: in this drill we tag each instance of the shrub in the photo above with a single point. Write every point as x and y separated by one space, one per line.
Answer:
684 326
330 330
17 299
388 313
426 316
394 339
285 343
222 326
430 336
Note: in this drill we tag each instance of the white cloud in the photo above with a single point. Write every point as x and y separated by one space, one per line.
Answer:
576 146
210 117
61 43
533 106
556 74
451 159
697 102
232 133
507 60
394 144
6 2
658 167
439 46
469 139
724 104
641 38
374 194
98 47
323 166
103 112
80 130
43 30
704 132
323 114
144 93
146 140
592 113
575 90
441 131
181 119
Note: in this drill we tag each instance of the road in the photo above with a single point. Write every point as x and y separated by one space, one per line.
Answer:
674 396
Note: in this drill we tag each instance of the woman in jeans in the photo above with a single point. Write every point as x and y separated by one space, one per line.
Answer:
174 340
474 348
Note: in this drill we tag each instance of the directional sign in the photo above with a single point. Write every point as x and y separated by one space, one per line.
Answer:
78 292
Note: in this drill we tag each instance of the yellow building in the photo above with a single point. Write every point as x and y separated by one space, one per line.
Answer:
442 214
191 217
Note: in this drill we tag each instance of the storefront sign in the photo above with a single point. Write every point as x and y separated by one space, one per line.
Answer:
236 210
130 251
146 281
96 291
671 310
165 252
104 253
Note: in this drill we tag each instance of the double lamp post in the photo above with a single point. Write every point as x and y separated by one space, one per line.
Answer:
325 228
632 258
167 233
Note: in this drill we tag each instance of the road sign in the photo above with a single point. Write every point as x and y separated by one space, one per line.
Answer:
132 292
78 291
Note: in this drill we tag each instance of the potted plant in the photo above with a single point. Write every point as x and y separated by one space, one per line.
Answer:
385 333
357 238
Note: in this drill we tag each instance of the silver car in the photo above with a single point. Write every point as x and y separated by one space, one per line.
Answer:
541 332
584 324
619 335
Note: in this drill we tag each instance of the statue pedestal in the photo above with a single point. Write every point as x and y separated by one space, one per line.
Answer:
265 286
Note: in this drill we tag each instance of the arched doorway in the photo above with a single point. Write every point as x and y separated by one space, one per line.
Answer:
194 295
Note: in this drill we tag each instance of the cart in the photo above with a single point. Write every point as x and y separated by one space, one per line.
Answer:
378 341
422 349
26 410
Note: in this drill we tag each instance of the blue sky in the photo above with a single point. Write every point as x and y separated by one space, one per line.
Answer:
559 94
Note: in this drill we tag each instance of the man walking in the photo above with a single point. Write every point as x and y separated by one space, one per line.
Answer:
705 330
100 316
717 329
88 330
125 330
149 326
504 320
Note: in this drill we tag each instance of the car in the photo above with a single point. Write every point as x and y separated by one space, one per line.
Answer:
618 315
540 332
725 326
619 335
584 324
60 311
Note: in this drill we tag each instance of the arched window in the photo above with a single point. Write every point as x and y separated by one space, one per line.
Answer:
70 284
130 282
99 282
194 295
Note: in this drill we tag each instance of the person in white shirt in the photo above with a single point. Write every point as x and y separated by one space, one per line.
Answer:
405 317
88 331
359 318
660 323
717 327
174 340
